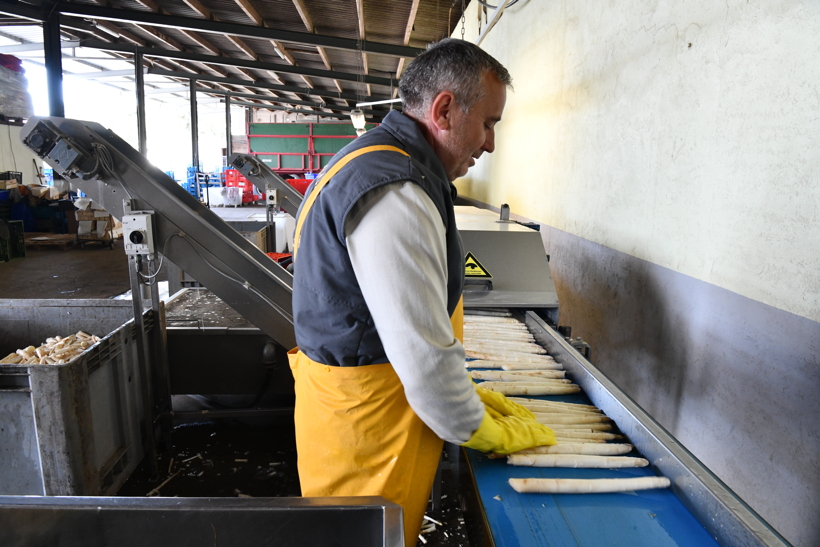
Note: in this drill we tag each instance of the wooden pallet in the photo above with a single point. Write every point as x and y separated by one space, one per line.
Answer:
45 240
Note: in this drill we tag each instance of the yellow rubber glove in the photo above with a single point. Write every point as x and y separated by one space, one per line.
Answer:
507 434
497 401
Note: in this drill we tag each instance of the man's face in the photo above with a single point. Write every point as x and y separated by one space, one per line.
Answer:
473 133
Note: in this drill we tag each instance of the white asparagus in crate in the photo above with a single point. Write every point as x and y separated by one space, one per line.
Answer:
55 351
522 388
575 461
590 449
587 486
513 376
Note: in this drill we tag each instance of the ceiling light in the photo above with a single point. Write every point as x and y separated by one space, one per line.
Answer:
357 116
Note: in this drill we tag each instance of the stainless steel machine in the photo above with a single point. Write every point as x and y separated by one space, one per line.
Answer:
505 267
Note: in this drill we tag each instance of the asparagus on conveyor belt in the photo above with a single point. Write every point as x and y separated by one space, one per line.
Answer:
496 340
55 351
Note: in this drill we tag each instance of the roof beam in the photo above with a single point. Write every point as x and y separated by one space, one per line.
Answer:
24 11
291 110
360 16
221 27
251 12
414 8
229 61
36 46
257 84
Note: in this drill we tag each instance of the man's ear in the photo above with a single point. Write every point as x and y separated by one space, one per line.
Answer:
441 110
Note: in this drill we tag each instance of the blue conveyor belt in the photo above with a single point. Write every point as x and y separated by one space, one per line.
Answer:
652 518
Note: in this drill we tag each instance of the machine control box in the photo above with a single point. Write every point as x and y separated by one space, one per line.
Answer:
137 234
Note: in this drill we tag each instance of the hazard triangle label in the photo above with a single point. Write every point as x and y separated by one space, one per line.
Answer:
474 269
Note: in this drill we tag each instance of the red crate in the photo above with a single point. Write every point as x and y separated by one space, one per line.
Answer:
301 185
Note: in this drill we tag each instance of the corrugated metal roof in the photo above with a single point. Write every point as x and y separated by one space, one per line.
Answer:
385 22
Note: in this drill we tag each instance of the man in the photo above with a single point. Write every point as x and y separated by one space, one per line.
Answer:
378 273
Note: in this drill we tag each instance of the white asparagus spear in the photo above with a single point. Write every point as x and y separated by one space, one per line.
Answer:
503 364
527 350
553 418
575 461
498 334
507 379
588 436
576 427
491 319
591 449
587 486
480 363
524 401
519 388
512 376
11 359
566 440
510 365
563 411
508 356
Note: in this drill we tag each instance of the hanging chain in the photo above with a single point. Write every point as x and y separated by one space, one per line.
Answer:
463 19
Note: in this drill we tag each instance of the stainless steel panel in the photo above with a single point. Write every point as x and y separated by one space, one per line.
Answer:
716 507
227 522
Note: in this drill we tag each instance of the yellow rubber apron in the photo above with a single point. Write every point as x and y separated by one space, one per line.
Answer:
356 435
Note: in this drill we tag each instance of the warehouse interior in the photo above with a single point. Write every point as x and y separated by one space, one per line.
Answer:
667 152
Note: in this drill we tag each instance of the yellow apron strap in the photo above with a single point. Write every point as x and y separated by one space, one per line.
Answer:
326 179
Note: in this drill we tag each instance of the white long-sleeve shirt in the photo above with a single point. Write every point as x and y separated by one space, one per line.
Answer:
396 242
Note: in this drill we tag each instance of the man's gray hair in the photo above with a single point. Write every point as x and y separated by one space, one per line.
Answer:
449 65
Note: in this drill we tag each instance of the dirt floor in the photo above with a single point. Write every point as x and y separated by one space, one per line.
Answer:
89 272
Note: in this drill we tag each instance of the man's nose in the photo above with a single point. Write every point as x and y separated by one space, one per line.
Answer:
489 142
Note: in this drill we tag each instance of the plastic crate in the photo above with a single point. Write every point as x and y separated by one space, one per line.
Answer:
300 185
71 429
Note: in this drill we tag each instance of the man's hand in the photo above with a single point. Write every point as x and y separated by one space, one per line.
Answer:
499 403
507 434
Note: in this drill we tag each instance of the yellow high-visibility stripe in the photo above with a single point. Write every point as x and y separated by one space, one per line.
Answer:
326 179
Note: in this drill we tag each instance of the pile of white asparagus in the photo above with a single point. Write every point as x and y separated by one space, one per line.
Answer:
496 340
55 351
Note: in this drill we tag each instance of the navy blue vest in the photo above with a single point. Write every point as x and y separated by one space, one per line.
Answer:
333 324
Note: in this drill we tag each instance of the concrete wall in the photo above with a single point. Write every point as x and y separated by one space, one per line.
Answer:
672 152
14 156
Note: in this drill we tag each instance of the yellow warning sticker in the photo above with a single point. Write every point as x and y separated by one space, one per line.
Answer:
473 268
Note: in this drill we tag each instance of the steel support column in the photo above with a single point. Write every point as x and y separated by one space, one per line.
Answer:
54 64
228 126
139 80
194 127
